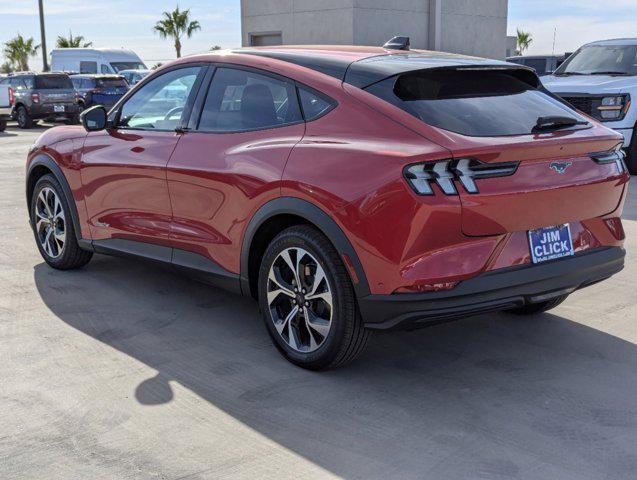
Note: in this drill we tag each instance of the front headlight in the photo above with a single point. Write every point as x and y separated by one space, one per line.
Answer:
614 107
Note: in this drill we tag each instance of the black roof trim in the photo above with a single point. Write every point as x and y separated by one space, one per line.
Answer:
367 71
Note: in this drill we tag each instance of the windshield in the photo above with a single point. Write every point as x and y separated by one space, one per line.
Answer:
602 59
474 103
53 82
119 66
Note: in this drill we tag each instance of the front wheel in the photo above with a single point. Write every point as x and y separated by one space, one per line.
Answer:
308 301
53 226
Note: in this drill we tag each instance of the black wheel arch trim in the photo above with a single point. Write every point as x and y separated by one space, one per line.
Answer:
314 215
45 160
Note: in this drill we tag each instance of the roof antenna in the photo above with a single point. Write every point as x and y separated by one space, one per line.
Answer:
398 43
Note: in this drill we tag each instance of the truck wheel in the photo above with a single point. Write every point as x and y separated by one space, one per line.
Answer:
631 157
307 301
73 120
3 125
24 120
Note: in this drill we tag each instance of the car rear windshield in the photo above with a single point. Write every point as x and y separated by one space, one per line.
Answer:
119 66
53 82
472 102
111 82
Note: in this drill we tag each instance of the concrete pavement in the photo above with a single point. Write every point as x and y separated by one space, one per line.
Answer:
123 370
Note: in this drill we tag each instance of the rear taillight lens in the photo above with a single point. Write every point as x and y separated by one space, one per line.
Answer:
615 156
11 97
35 97
443 173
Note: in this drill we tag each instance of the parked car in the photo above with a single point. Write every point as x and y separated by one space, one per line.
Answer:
42 95
134 76
600 79
542 64
347 189
94 60
6 105
103 90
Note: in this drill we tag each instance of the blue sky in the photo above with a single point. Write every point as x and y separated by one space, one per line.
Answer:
130 22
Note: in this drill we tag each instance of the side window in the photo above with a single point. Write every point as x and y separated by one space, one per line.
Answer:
88 67
313 105
160 104
105 69
77 83
241 100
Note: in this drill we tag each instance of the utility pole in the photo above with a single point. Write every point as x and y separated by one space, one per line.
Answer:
554 35
45 63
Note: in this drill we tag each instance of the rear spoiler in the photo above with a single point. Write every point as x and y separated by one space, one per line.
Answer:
364 78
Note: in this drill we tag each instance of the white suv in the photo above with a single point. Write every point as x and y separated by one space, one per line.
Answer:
600 79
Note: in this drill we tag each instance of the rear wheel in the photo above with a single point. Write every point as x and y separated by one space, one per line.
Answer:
308 301
53 226
73 120
23 118
3 125
534 308
631 157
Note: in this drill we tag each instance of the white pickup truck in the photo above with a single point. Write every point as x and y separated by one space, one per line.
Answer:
600 79
6 104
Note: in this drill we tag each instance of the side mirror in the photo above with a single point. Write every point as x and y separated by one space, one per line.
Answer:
94 118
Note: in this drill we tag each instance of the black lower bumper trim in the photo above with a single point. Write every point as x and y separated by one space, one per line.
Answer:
497 290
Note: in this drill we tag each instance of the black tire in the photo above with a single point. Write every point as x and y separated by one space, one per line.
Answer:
70 256
73 120
3 125
23 118
631 154
533 308
347 336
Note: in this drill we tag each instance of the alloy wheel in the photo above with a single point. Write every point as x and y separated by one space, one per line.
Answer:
50 224
300 299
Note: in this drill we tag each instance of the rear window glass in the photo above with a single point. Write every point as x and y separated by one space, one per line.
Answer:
111 82
474 103
52 82
537 64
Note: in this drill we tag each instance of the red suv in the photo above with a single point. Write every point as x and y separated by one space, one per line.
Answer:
348 189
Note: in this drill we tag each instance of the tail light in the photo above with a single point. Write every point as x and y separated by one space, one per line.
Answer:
35 97
11 97
443 173
615 156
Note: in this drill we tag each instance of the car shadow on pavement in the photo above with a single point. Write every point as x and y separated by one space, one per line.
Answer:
496 396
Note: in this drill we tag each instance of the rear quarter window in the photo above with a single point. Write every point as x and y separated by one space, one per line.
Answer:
473 103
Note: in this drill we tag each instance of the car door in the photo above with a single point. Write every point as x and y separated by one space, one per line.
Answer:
230 162
123 168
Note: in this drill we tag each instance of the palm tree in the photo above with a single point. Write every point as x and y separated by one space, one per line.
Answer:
524 41
6 67
175 24
215 48
72 42
18 50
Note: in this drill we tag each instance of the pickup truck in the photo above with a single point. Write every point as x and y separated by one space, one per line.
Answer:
6 105
600 79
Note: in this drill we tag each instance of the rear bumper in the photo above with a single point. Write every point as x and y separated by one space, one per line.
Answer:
46 110
497 290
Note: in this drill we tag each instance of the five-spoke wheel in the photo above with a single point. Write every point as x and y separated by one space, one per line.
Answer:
53 226
50 222
308 300
300 299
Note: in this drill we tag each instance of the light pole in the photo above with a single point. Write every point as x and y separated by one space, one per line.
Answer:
45 63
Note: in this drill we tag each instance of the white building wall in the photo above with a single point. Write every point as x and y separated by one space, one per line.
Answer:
475 27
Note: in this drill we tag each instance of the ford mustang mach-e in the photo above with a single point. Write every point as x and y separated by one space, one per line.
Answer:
347 189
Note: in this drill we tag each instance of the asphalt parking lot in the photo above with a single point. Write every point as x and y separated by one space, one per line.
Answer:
123 370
